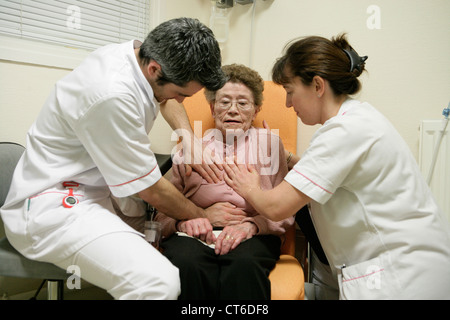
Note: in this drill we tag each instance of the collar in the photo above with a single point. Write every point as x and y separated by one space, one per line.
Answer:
137 72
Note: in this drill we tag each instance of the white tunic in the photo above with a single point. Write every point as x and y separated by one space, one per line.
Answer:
93 129
376 218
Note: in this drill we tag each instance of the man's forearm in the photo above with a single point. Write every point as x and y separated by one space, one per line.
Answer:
166 198
175 115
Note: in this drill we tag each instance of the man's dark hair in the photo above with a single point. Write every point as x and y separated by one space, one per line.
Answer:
187 51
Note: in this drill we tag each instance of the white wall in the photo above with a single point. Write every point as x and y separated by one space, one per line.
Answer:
23 90
409 57
408 75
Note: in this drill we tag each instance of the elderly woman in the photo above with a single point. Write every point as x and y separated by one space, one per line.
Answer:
236 264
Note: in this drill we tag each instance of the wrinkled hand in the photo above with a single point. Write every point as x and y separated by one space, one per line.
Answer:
222 214
203 161
200 228
232 236
210 172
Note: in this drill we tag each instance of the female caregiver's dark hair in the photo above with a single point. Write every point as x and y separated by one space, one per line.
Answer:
187 51
334 60
238 73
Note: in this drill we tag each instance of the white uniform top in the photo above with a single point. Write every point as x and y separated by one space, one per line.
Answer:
375 216
93 129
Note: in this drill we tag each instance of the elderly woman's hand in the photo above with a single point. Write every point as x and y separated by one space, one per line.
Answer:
222 214
203 161
200 228
232 236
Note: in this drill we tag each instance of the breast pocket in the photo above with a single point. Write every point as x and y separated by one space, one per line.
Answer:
372 280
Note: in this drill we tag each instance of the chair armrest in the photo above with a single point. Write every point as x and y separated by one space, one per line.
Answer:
287 279
164 162
288 247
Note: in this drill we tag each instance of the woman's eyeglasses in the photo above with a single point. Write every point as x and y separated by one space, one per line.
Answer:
241 104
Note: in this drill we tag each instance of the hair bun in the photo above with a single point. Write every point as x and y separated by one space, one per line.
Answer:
340 41
333 60
357 62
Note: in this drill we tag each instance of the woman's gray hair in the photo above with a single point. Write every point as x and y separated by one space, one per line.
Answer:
187 51
239 73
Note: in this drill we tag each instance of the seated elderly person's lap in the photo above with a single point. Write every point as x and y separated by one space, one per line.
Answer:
205 275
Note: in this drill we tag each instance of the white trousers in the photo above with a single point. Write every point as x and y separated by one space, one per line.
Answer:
127 267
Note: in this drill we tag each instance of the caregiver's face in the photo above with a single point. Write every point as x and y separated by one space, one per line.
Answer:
303 99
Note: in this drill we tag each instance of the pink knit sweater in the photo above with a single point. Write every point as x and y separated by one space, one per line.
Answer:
267 157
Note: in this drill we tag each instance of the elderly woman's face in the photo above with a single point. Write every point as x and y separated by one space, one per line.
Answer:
233 108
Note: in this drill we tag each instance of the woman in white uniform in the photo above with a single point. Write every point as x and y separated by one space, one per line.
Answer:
380 228
90 141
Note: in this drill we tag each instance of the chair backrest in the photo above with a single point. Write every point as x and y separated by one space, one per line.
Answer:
10 154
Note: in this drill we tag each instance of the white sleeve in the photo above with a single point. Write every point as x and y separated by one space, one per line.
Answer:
335 150
113 132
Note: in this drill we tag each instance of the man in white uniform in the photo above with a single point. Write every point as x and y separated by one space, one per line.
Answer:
91 140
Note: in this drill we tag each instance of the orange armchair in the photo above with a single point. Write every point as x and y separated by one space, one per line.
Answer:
287 278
